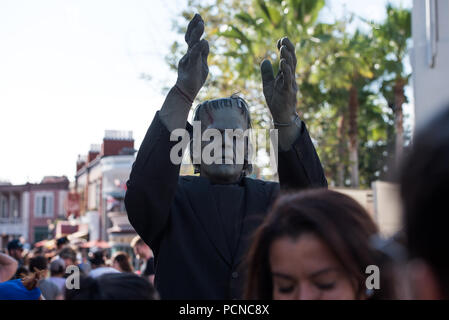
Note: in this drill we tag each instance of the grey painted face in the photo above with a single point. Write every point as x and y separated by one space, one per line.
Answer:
221 119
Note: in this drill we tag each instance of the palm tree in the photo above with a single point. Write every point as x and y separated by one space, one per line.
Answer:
348 68
392 38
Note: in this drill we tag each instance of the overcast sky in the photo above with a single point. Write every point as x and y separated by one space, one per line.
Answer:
70 69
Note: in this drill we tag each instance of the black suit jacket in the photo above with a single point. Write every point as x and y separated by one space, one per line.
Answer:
177 218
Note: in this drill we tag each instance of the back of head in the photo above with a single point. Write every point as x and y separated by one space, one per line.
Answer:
39 263
123 260
37 271
57 267
424 191
68 253
61 242
97 259
113 286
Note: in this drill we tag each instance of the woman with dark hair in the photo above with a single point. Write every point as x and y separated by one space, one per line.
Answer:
315 245
121 262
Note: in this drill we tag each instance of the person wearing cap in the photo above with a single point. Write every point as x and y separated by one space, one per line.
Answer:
199 226
15 250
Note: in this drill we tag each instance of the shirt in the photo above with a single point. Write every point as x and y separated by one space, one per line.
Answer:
148 267
95 273
60 282
50 291
15 290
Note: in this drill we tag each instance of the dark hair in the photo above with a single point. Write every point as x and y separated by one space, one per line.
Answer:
68 253
62 241
113 286
15 245
97 258
123 260
37 271
21 272
424 190
337 219
38 262
232 101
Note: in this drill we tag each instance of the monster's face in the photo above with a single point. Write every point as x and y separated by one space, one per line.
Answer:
223 126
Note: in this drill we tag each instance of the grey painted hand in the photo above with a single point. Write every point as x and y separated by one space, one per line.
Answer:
281 91
192 68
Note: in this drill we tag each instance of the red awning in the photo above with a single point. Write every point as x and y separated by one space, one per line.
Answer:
97 244
45 243
40 243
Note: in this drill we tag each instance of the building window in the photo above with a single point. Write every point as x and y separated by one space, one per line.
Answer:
3 207
15 207
43 205
40 233
97 195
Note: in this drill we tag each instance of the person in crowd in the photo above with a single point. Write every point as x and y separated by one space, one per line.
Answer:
315 245
98 264
15 250
57 273
68 254
84 265
8 267
62 243
113 286
145 255
424 184
50 290
39 251
23 288
121 262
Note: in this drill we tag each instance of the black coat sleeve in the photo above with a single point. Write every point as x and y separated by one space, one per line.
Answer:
300 167
152 184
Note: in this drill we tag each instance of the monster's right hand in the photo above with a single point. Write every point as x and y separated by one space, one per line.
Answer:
192 68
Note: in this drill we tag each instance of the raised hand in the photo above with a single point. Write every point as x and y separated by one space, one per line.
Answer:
192 68
281 91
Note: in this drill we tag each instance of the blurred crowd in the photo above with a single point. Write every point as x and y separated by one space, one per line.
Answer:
70 272
313 244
